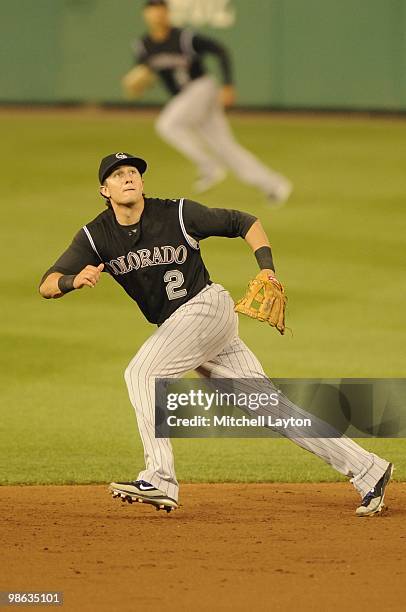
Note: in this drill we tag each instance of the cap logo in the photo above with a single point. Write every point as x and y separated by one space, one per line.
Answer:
121 156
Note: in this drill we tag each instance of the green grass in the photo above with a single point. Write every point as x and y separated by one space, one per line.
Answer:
339 249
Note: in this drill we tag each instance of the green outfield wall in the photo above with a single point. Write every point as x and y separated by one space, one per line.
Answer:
287 53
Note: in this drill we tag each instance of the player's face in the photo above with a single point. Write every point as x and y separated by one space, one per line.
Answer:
124 186
156 17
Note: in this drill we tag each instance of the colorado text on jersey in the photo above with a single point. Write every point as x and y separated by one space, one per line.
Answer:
143 258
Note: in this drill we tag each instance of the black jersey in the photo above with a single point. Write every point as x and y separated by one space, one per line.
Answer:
157 261
179 59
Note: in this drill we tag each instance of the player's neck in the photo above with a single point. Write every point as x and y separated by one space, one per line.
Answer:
160 33
128 214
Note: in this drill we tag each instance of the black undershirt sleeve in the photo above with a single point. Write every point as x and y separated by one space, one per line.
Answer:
202 222
203 44
76 257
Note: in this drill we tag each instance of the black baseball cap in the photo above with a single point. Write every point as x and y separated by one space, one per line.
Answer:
156 3
109 163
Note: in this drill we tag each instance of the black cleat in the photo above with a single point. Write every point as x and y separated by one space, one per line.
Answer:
144 492
373 500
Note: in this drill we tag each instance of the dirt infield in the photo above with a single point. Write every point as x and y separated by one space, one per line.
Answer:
229 547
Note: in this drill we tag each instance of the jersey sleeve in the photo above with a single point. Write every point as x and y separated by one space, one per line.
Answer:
139 52
204 44
76 257
202 222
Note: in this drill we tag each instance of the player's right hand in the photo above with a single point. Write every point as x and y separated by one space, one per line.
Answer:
88 277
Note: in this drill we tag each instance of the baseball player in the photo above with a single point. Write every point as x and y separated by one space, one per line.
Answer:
150 246
194 121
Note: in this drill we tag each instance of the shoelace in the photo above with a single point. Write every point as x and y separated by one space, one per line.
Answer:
368 497
375 492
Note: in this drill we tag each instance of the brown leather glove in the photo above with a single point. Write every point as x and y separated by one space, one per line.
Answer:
265 300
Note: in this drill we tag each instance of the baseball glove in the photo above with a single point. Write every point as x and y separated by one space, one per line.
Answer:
265 300
138 80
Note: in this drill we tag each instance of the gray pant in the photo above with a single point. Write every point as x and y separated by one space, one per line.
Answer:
194 123
202 335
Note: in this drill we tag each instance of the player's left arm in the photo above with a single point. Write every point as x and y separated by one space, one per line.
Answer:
257 239
204 44
265 299
202 222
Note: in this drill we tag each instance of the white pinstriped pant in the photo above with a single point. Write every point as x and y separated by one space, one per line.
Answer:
202 335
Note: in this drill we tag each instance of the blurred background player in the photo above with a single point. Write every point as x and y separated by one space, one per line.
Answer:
193 121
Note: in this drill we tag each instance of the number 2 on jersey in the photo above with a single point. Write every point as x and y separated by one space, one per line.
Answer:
174 280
